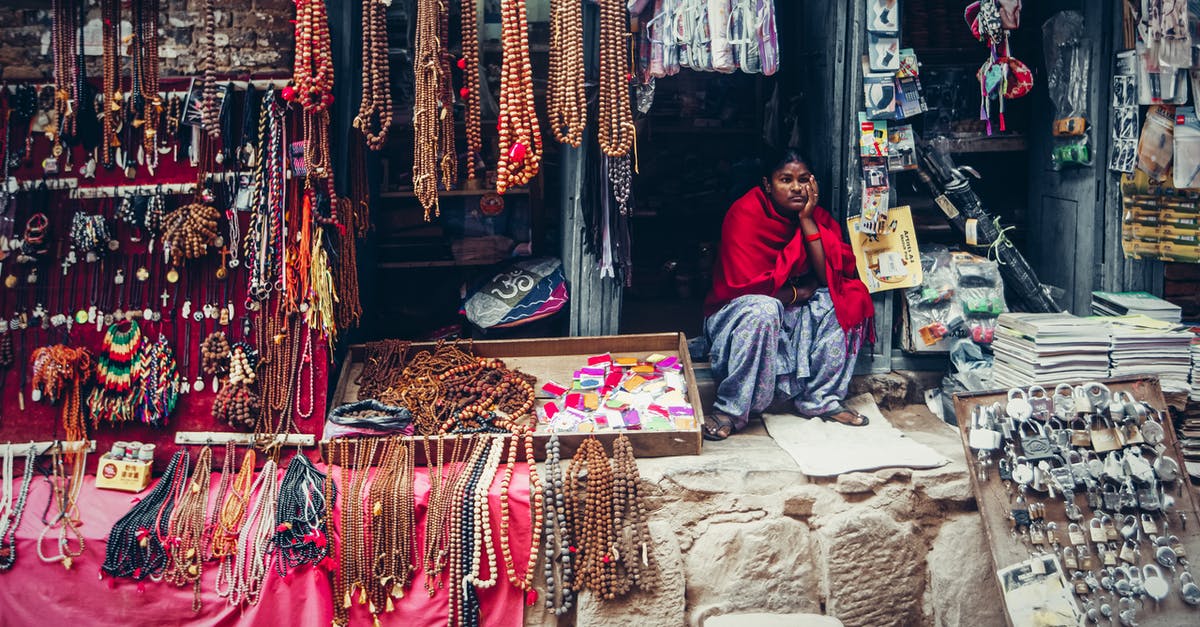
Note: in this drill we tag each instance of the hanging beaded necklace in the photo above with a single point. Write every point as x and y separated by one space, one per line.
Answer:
59 373
469 64
520 138
264 243
592 516
375 110
630 522
135 548
64 31
392 524
524 582
355 568
463 537
158 381
147 102
13 514
186 529
223 486
210 109
556 534
110 141
301 534
615 115
429 108
113 399
65 489
566 96
230 520
254 547
443 475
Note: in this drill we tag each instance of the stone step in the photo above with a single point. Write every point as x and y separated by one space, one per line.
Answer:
772 620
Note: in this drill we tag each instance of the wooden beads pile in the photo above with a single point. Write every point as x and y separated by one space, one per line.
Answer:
214 353
520 137
189 231
237 406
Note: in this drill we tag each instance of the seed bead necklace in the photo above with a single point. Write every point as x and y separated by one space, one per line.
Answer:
557 536
630 521
565 94
616 117
520 139
596 569
133 548
525 582
463 535
254 547
214 516
375 110
469 64
231 518
443 476
300 534
12 518
186 529
427 107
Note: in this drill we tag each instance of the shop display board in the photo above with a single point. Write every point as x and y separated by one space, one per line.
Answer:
1009 549
556 359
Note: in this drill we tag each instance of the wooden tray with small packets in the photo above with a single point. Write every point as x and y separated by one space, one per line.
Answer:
1008 548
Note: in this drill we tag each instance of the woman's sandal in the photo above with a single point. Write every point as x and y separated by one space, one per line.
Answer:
829 417
717 426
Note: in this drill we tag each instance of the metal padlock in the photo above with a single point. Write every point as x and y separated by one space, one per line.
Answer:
1129 552
1069 560
1108 556
1096 530
1086 561
1105 436
1129 498
1080 584
1039 403
1082 404
1078 465
1075 534
1023 472
1063 402
982 436
1018 407
1035 443
1081 436
1148 499
1111 498
1152 429
1059 434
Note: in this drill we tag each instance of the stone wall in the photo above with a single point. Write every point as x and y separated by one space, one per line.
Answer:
252 36
739 530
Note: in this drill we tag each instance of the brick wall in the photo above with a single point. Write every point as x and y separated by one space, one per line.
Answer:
252 36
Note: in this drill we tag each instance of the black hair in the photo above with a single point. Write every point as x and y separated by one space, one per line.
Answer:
776 159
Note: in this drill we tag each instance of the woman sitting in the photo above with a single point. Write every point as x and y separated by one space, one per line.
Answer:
786 315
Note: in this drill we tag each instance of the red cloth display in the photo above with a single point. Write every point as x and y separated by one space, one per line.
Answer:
761 250
38 593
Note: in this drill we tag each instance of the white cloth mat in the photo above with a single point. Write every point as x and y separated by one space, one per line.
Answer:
826 449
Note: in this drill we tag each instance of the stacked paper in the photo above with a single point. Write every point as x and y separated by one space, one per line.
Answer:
1144 346
1047 349
1135 303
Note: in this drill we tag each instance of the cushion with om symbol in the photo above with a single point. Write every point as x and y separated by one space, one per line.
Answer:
519 293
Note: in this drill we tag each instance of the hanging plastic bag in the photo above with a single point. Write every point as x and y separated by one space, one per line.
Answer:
1068 73
768 37
718 27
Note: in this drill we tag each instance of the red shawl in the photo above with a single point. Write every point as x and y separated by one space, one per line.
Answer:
761 249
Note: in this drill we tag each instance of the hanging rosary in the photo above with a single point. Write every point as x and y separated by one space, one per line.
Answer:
433 145
374 117
469 64
566 94
520 138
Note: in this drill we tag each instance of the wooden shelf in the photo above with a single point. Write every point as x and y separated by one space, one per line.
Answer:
983 143
440 263
408 192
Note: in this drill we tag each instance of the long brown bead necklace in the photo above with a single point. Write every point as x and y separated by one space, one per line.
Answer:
469 63
525 582
186 529
355 563
566 96
64 31
430 109
110 12
147 63
443 477
223 487
520 137
595 566
391 527
615 115
630 521
210 110
230 520
375 110
339 455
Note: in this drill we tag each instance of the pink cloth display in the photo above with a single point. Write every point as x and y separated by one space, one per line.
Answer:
38 593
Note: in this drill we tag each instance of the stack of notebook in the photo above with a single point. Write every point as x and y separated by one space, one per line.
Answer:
1145 346
1047 349
1135 303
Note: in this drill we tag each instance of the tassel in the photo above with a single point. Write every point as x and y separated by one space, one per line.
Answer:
391 607
346 601
531 597
362 596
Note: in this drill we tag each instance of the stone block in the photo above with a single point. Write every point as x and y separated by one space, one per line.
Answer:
876 569
765 565
857 483
962 589
662 605
772 620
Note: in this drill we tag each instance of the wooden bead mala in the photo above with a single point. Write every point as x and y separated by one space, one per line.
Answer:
469 64
520 137
63 44
615 114
186 529
393 541
355 214
595 568
59 373
524 582
443 479
231 518
633 540
566 96
431 111
374 117
210 109
214 353
383 367
254 547
189 231
110 141
557 534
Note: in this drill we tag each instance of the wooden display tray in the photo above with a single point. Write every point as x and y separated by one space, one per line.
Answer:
556 359
994 505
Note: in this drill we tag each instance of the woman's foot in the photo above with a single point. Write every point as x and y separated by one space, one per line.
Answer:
717 426
845 416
